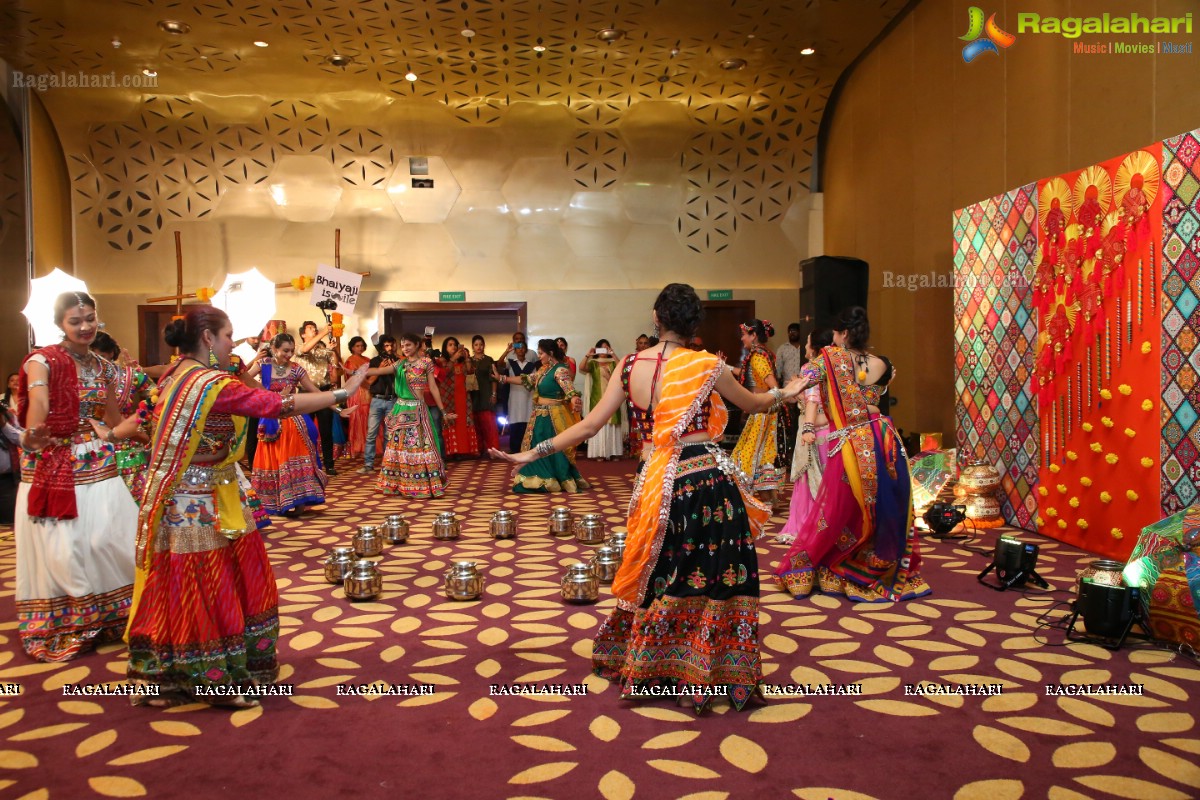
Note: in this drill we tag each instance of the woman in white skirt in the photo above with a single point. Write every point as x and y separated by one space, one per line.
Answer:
76 521
597 368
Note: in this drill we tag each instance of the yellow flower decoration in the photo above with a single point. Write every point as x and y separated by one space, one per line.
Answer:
1106 422
1087 426
1105 394
1125 389
1147 347
1147 405
1111 458
1062 524
1116 533
1073 502
1055 468
1130 432
1085 481
1051 512
1132 495
1061 489
1082 523
1105 497
1096 447
1071 454
1147 462
205 293
1043 491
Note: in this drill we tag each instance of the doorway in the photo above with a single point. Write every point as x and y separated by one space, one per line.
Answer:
721 334
496 322
152 321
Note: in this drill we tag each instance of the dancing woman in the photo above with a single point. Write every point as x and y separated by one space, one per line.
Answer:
858 537
686 620
598 366
812 445
75 519
459 434
555 406
412 463
287 473
205 617
758 453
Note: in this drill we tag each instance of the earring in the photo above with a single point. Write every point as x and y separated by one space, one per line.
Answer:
212 359
657 330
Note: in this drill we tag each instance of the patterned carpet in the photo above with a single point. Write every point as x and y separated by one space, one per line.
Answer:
459 742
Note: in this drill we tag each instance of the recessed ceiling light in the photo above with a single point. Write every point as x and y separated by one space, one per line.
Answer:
610 35
149 73
337 60
467 32
261 44
410 76
539 48
174 26
733 64
808 51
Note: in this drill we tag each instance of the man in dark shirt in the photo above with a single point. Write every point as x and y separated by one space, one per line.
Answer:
383 397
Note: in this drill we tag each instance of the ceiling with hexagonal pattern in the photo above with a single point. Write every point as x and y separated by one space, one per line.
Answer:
552 127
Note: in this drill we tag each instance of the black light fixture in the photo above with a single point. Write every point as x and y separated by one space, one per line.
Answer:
1109 614
943 518
1013 561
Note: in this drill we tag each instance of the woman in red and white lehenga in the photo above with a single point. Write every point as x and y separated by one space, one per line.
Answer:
75 519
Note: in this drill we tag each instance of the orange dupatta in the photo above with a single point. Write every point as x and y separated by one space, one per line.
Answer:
687 383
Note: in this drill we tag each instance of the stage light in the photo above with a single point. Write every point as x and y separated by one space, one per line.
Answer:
1013 562
1109 613
943 518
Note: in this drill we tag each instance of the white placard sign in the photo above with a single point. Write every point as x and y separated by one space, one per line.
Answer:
337 285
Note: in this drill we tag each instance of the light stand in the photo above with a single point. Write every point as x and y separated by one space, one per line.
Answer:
1013 562
1109 614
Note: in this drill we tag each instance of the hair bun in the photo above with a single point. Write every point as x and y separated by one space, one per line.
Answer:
768 327
175 333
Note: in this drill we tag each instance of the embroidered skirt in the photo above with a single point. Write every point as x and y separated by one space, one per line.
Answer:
696 632
287 474
75 576
837 552
554 473
412 465
758 453
207 612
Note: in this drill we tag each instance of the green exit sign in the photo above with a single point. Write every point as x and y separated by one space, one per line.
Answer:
720 294
452 297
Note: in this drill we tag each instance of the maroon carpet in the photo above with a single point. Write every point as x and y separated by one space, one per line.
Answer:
460 742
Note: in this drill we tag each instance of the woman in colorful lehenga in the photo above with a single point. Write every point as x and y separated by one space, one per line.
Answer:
132 387
205 616
75 519
287 473
485 397
598 366
758 453
556 405
812 444
459 434
412 463
858 537
360 402
686 621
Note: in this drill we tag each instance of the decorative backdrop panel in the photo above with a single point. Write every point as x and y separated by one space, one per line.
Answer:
995 331
1180 443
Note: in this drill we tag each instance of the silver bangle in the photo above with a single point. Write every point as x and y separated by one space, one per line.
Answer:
778 395
340 395
544 448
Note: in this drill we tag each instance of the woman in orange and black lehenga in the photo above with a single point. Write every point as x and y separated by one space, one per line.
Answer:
686 621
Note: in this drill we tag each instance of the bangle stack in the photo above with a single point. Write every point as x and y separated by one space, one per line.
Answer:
544 448
808 427
289 406
778 395
340 395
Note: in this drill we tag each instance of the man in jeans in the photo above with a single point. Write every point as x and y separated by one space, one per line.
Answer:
383 397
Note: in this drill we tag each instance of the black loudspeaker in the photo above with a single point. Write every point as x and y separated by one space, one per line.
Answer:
830 284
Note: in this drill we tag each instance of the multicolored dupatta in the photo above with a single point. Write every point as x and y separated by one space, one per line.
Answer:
687 383
182 413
